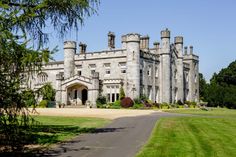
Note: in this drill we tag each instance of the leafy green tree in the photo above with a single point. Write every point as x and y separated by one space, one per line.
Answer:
222 87
122 93
202 87
24 23
48 92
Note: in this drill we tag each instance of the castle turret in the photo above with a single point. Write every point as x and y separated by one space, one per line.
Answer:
165 86
133 63
180 74
69 55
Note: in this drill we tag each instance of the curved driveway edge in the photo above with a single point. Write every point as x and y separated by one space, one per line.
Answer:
122 138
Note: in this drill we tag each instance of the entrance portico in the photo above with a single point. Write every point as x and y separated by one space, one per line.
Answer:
79 90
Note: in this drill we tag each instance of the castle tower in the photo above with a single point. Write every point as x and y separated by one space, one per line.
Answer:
165 69
69 55
133 63
180 74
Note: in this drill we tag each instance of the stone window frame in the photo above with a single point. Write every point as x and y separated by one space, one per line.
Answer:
149 71
92 66
42 77
79 72
123 67
107 67
156 72
110 94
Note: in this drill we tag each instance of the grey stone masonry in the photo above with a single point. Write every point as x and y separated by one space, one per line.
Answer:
166 72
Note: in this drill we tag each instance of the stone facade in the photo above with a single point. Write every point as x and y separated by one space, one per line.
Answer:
164 73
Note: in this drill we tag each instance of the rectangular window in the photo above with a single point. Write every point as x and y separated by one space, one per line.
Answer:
123 71
79 73
108 72
156 72
117 96
113 97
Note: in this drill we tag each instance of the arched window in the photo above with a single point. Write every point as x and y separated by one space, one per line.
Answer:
42 77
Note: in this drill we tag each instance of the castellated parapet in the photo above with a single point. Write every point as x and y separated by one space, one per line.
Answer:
179 40
133 37
165 33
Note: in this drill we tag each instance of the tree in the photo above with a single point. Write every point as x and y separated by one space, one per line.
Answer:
47 92
122 93
202 87
23 23
222 87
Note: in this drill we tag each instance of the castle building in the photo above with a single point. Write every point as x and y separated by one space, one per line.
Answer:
164 73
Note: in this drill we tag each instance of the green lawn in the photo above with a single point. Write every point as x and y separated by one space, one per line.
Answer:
223 112
56 129
194 136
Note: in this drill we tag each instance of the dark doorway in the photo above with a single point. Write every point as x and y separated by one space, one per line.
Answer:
84 96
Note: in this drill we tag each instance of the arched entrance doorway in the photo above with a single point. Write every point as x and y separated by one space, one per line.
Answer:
84 96
77 95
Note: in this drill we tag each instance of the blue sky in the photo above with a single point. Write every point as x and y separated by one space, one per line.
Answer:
208 25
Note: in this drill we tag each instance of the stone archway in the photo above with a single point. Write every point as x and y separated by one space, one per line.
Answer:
77 94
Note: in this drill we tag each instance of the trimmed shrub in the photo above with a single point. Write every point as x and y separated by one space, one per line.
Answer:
138 101
158 105
138 106
165 105
147 104
101 100
179 102
116 105
43 104
127 102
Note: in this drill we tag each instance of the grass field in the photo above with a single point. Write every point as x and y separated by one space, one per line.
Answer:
194 136
56 129
221 112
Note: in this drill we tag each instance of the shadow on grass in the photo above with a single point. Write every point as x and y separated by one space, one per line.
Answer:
45 135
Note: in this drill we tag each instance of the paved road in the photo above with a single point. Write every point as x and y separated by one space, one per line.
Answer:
122 138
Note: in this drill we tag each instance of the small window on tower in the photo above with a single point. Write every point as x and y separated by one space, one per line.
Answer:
108 72
79 73
92 72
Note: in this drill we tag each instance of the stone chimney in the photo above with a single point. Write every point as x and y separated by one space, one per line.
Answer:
185 50
82 48
156 45
191 50
144 42
111 40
